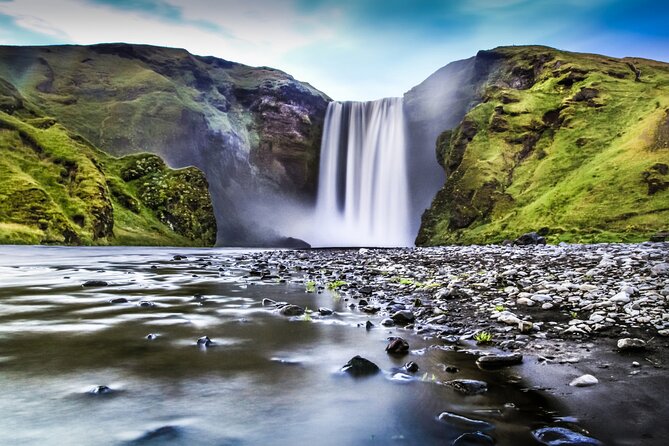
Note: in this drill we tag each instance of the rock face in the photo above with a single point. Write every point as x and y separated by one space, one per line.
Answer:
254 132
56 187
539 138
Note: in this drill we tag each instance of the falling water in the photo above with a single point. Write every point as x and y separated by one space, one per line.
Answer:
363 188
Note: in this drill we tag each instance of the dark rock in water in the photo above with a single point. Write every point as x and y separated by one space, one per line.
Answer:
291 310
93 283
100 390
397 346
159 435
371 309
452 369
369 325
119 300
403 317
468 386
255 273
198 297
363 302
411 367
474 439
359 366
151 336
179 257
366 290
560 436
387 322
146 303
531 238
204 341
499 360
465 423
268 302
325 311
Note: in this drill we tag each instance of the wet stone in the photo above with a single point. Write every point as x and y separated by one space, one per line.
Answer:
325 311
499 360
397 346
100 390
204 341
119 300
403 317
387 322
94 283
468 386
359 366
560 436
151 336
411 367
584 381
627 344
464 423
474 439
291 310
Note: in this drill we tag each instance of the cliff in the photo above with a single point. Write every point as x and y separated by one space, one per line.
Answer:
573 145
254 132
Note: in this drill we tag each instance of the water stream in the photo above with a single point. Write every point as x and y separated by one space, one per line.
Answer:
267 379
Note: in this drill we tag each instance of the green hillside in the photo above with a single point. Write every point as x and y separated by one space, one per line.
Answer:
56 188
576 145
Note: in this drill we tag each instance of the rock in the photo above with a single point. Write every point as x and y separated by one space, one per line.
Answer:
204 341
620 298
468 386
464 423
145 303
451 369
387 322
530 238
631 344
547 306
359 366
659 237
94 283
369 325
325 311
119 300
660 269
584 381
159 435
268 302
366 290
403 317
474 439
664 332
411 367
499 360
508 318
397 346
151 336
291 310
525 326
179 257
525 301
100 390
560 436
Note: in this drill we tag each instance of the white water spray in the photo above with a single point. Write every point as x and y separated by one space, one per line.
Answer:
363 187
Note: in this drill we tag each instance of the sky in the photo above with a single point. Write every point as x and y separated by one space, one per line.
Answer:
349 49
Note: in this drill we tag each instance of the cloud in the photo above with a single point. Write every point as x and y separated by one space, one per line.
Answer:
351 49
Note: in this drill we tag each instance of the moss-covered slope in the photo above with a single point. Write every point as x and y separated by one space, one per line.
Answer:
55 187
574 144
254 131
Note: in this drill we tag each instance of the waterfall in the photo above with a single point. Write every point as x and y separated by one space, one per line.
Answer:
363 187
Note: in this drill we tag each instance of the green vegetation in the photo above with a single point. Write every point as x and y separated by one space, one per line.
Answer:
411 282
336 285
499 308
310 286
573 315
569 144
307 315
55 187
483 337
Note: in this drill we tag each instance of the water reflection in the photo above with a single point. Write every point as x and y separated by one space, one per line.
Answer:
266 378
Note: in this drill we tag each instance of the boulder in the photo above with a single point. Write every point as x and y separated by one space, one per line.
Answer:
291 310
631 344
359 366
468 386
397 346
502 360
530 238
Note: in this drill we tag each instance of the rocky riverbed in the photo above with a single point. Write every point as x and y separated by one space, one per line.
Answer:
590 323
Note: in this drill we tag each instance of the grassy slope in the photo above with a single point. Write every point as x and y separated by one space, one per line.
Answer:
543 157
57 188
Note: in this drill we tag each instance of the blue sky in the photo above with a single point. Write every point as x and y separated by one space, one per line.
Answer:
350 49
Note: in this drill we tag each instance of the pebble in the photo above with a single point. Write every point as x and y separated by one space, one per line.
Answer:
631 344
397 346
499 360
584 381
468 386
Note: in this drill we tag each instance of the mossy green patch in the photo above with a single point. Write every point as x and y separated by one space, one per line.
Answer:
572 143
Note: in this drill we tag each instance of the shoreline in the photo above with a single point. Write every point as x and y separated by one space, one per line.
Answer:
564 308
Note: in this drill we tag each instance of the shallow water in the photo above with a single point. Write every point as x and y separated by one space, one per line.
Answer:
268 379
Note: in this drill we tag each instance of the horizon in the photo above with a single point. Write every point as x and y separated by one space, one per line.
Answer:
351 51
